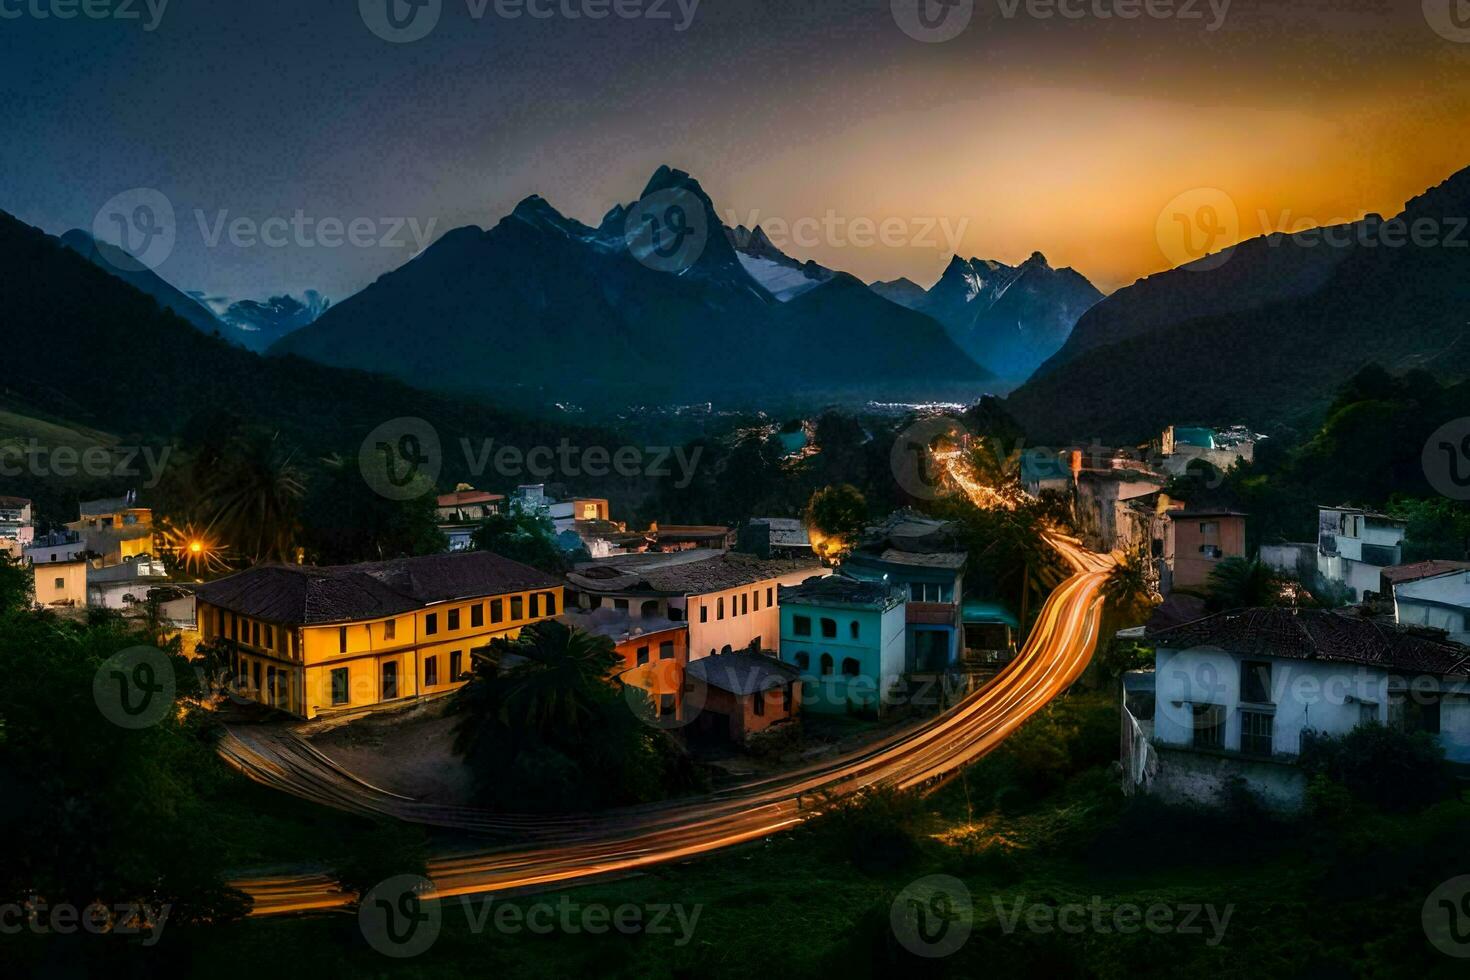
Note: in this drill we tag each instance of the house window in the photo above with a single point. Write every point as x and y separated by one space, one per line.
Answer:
536 605
453 617
1255 682
477 615
803 660
853 629
850 667
339 686
829 628
621 605
1255 732
665 705
255 634
676 614
1209 527
720 608
1211 551
431 624
642 656
788 694
744 604
756 598
1209 726
666 650
770 597
497 610
550 603
517 609
61 583
760 703
270 637
390 681
341 639
826 664
257 677
801 625
649 610
390 630
456 665
431 671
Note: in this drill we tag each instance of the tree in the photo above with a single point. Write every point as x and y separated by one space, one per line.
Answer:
15 586
524 537
544 726
1131 587
1243 583
836 517
255 498
345 521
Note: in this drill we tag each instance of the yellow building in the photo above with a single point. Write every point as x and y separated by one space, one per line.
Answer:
313 641
115 529
61 584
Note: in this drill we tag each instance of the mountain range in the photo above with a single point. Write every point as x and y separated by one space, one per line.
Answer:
544 307
1263 335
1009 318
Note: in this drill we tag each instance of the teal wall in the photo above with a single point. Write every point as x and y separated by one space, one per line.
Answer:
878 649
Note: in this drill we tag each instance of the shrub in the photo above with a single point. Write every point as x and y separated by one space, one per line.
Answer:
1388 769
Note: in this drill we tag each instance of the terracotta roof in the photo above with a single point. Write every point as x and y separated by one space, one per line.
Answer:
307 595
682 574
742 673
1316 634
1399 574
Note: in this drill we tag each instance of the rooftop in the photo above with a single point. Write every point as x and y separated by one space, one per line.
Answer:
1400 574
841 590
14 502
952 560
786 532
109 505
461 498
308 595
682 573
619 625
1316 634
742 673
1371 514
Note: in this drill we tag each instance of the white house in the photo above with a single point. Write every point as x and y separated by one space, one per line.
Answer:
1236 695
16 526
1355 546
1440 601
58 546
125 585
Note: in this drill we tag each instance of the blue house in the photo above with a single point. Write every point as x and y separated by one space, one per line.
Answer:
920 556
847 637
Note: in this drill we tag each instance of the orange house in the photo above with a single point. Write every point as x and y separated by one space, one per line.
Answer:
654 653
1195 541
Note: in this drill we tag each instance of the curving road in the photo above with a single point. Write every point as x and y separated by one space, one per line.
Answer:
923 755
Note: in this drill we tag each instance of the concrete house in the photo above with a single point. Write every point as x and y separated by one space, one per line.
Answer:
923 558
1195 541
1439 601
1238 694
17 526
1354 546
733 696
847 638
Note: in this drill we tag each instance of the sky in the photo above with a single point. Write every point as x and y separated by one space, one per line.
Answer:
826 121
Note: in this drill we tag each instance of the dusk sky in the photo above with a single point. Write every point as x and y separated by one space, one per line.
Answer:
1021 134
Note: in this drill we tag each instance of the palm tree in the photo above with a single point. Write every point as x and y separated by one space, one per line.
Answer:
255 495
1240 583
550 683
